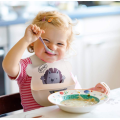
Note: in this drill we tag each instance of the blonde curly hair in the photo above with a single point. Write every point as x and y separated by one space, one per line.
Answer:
59 20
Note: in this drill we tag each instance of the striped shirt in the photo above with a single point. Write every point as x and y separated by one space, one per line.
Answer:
24 82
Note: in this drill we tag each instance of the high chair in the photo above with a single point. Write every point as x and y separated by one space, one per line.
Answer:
10 103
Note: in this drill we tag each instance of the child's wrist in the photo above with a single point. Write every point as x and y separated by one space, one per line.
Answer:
25 41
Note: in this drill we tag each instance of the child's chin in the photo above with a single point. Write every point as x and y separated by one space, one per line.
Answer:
47 61
50 61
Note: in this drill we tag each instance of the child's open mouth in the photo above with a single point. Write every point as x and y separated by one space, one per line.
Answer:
50 54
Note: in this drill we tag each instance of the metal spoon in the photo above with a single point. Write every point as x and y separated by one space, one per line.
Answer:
46 48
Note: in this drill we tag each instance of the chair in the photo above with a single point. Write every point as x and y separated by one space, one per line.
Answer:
10 103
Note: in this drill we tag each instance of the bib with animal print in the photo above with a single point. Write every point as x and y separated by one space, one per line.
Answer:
48 78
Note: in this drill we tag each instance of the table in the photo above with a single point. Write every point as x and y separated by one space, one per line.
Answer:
110 109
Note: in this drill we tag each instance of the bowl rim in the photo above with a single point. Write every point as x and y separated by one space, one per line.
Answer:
80 106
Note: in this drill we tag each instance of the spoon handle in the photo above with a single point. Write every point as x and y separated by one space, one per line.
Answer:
43 42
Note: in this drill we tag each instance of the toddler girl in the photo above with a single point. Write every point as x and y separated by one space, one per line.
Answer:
56 30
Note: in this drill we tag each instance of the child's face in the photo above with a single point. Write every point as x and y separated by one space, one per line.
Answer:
56 40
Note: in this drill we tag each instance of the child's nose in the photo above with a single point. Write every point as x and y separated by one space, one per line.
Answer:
52 47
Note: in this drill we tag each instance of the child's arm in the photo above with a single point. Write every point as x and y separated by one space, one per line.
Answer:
11 61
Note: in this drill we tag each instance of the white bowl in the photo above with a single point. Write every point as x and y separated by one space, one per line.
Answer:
57 97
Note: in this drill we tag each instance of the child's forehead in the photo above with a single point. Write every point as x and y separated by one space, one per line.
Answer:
52 31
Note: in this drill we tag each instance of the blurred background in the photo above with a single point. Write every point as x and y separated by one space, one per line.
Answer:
97 46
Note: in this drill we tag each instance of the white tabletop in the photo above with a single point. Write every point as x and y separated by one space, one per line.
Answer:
110 109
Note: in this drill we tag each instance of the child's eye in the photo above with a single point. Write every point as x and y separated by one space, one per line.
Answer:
59 43
46 40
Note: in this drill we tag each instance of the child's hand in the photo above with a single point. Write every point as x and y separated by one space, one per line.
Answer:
102 87
32 33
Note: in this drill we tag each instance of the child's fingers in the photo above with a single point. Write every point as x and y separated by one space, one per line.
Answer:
36 30
39 34
33 29
32 26
103 87
39 31
106 87
43 31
